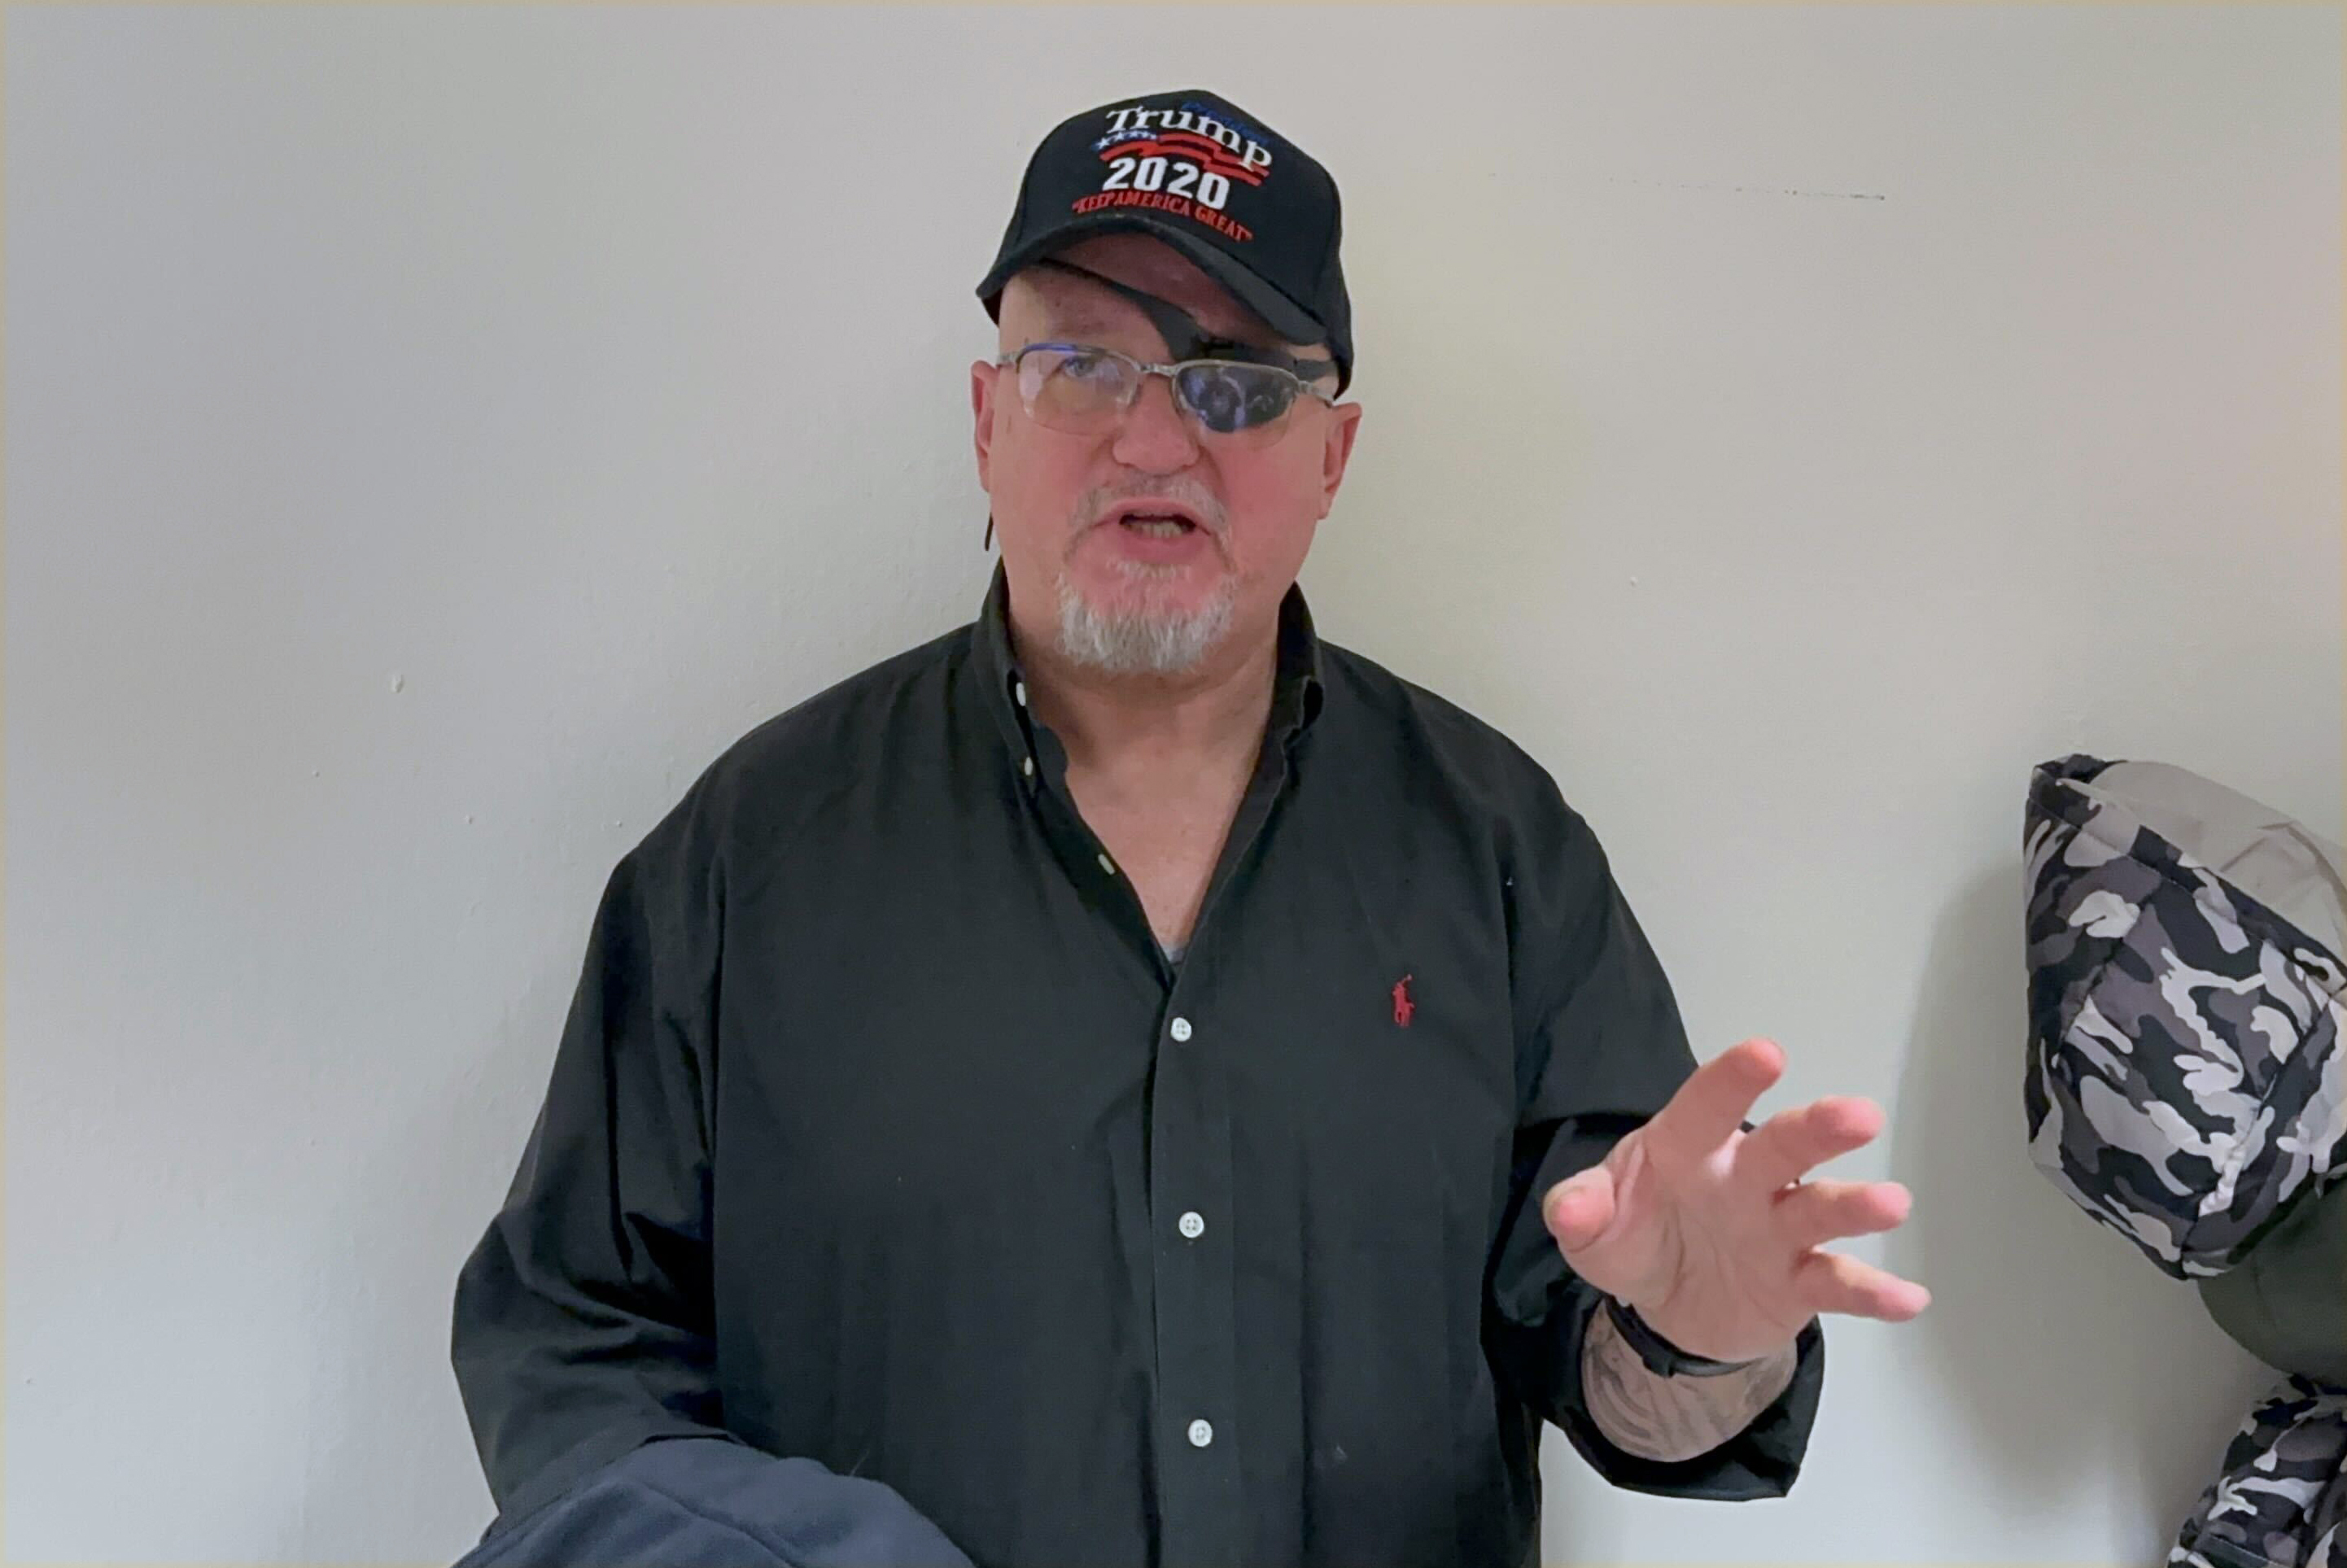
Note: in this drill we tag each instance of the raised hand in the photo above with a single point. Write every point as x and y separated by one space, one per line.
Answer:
1712 1234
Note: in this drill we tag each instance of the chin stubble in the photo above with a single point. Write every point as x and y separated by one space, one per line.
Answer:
1146 638
1140 641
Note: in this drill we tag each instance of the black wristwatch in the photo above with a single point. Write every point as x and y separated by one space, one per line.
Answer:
1661 1357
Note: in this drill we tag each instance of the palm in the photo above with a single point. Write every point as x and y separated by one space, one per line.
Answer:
1708 1230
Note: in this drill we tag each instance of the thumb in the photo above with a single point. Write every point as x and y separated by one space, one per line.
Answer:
1578 1209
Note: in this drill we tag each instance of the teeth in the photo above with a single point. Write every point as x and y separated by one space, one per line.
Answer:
1155 527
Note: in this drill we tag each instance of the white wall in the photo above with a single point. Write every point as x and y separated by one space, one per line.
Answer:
432 433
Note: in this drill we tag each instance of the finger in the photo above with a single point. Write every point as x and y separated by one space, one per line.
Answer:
1578 1209
1710 1107
1829 1282
1815 1213
1791 1144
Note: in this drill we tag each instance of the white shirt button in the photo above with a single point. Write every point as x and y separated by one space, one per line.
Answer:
1019 690
1028 767
1200 1434
1108 865
1194 1225
1179 1029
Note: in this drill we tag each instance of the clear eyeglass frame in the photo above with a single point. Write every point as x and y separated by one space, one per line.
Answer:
1192 382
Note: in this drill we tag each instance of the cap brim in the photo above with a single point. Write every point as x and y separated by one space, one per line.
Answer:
1282 314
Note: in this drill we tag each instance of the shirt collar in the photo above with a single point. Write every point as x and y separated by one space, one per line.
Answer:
1297 692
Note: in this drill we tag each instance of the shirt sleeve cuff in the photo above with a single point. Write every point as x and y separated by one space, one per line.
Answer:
1762 1460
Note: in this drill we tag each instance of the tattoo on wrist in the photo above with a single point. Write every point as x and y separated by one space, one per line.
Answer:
1671 1418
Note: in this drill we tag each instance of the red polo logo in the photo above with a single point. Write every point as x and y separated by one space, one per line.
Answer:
1404 1009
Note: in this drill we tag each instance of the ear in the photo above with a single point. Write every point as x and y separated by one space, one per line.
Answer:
1337 451
982 376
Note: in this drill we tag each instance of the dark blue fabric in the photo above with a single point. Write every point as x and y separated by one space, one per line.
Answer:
707 1502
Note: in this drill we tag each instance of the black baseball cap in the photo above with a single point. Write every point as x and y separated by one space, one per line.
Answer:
1251 208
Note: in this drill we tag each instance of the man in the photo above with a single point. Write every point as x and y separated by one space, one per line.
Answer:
1140 1083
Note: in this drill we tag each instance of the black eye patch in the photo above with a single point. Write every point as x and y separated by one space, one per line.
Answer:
1186 339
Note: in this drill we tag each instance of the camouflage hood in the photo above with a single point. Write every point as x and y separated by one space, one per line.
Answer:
2281 1500
2188 952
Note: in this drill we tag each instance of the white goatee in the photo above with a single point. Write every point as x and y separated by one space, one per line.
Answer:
1140 641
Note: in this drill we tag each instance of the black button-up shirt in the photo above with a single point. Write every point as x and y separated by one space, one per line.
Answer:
881 1131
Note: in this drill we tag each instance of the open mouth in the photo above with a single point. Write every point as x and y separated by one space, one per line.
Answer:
1157 525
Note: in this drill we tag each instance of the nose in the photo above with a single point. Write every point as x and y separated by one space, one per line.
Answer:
1155 436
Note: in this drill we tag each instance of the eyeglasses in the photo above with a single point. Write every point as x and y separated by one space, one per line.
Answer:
1080 390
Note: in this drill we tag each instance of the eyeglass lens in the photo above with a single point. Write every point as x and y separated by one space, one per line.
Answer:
1081 391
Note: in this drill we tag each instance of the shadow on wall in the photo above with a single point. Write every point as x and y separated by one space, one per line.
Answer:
2070 1359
